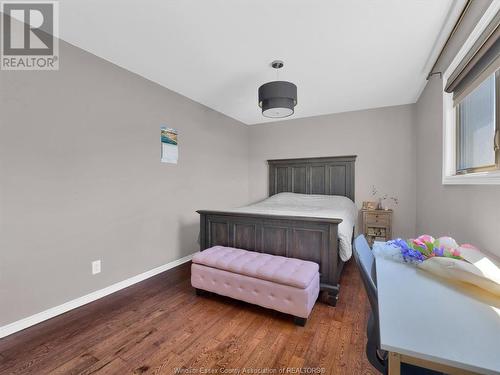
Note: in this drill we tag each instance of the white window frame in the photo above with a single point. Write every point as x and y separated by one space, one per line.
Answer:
449 115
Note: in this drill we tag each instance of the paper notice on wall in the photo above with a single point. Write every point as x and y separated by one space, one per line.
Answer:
169 147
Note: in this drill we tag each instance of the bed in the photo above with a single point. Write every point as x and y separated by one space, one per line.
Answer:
310 215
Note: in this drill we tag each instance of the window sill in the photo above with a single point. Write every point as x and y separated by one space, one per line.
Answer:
479 178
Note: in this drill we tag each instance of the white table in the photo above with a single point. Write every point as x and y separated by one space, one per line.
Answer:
430 323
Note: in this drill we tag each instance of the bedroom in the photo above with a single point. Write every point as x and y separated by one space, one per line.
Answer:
146 112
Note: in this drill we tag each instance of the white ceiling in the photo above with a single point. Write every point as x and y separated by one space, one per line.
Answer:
343 55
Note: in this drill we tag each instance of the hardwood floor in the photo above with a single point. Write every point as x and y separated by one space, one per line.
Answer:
160 324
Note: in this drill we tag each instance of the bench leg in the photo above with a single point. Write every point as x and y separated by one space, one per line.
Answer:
201 292
299 321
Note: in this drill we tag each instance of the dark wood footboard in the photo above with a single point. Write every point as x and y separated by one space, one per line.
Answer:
306 238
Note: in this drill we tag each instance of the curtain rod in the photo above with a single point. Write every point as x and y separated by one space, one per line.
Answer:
453 31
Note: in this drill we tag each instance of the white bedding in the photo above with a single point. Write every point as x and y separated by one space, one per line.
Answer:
323 206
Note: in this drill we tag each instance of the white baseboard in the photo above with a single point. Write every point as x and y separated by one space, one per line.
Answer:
73 304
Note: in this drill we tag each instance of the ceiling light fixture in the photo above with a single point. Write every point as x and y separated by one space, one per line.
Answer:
277 98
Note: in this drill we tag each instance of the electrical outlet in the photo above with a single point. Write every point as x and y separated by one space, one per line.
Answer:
96 267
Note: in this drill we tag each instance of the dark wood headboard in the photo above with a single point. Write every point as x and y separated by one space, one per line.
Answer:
325 175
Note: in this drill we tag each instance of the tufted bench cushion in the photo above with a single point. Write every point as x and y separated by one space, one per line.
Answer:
284 284
281 270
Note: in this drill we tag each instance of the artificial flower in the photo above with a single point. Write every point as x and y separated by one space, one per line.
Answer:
425 238
448 242
438 251
424 247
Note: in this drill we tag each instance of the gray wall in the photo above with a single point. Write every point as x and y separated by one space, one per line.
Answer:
382 138
81 179
468 213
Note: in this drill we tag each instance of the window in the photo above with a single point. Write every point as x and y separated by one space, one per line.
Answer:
477 127
471 107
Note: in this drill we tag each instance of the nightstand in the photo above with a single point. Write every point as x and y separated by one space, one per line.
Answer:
377 225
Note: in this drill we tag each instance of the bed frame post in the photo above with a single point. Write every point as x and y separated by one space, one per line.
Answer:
203 232
330 294
330 286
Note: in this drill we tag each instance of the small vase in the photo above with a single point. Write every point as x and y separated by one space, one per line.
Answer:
380 206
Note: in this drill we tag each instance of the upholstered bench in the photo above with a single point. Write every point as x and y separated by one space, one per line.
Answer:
283 284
